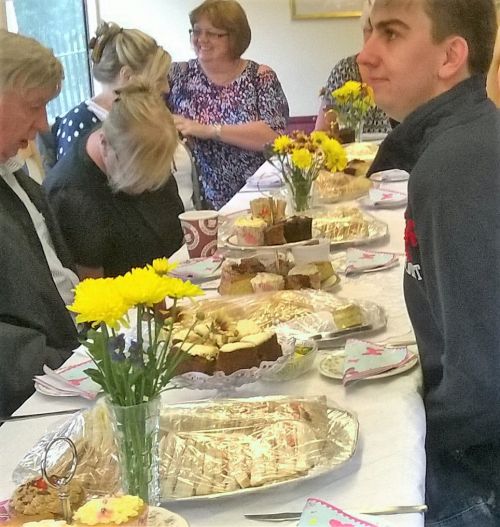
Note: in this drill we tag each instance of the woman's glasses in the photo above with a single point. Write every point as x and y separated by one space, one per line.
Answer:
211 35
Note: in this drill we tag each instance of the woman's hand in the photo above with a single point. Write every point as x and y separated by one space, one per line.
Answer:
189 128
253 135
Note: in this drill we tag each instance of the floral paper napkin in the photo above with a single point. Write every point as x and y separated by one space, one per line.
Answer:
68 381
262 180
366 359
319 513
385 198
361 261
198 270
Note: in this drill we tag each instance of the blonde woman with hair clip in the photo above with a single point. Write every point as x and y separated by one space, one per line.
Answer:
118 55
116 204
347 69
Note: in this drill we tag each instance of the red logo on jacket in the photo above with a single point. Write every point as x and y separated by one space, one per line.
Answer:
410 238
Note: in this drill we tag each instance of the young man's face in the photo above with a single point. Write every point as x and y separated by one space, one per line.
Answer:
22 116
399 58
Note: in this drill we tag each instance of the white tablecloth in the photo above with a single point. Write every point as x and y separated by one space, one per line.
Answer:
389 465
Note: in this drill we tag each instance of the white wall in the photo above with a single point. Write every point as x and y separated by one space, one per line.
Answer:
302 52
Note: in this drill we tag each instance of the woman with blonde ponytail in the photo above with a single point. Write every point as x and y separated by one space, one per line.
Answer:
117 56
114 198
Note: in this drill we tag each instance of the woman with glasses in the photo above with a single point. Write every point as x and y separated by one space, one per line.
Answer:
227 107
114 199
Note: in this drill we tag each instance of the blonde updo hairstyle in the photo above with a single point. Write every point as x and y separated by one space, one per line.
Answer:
27 65
229 16
141 131
114 47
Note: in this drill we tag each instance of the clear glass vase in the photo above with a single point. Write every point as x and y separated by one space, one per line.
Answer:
137 437
300 195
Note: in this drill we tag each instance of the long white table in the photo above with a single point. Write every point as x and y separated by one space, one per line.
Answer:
389 465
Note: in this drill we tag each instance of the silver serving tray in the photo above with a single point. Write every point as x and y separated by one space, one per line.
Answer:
342 439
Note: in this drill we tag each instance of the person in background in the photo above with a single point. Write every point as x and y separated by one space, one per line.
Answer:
116 203
37 275
493 82
376 121
427 61
118 56
228 107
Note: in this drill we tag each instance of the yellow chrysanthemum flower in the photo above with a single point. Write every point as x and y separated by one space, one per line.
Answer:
335 156
318 137
100 300
302 158
178 288
282 143
162 266
143 286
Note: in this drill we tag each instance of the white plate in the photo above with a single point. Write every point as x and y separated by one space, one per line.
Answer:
390 175
331 366
231 242
160 517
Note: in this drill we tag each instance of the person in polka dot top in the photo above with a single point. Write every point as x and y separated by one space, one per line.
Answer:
118 56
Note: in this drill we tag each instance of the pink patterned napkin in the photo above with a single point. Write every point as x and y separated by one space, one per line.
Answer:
365 359
385 198
4 511
69 380
319 513
361 261
199 269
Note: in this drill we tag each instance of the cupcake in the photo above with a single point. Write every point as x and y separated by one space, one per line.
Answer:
249 231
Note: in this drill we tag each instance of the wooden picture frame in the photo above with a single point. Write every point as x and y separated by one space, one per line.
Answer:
315 9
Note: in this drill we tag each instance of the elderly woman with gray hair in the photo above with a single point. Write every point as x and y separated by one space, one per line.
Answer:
115 201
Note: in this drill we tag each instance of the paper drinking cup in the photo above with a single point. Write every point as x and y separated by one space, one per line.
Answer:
200 229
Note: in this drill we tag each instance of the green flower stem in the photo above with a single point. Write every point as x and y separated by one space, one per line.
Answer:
137 428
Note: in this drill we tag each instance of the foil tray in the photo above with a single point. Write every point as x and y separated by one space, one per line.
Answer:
339 449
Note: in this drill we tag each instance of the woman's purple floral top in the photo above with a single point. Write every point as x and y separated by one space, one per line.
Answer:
255 95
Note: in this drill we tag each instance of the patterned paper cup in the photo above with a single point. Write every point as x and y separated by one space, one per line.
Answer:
200 232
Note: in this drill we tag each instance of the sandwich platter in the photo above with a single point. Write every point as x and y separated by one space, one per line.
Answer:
336 448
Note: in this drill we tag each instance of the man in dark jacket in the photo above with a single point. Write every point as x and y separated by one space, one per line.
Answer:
36 279
427 60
